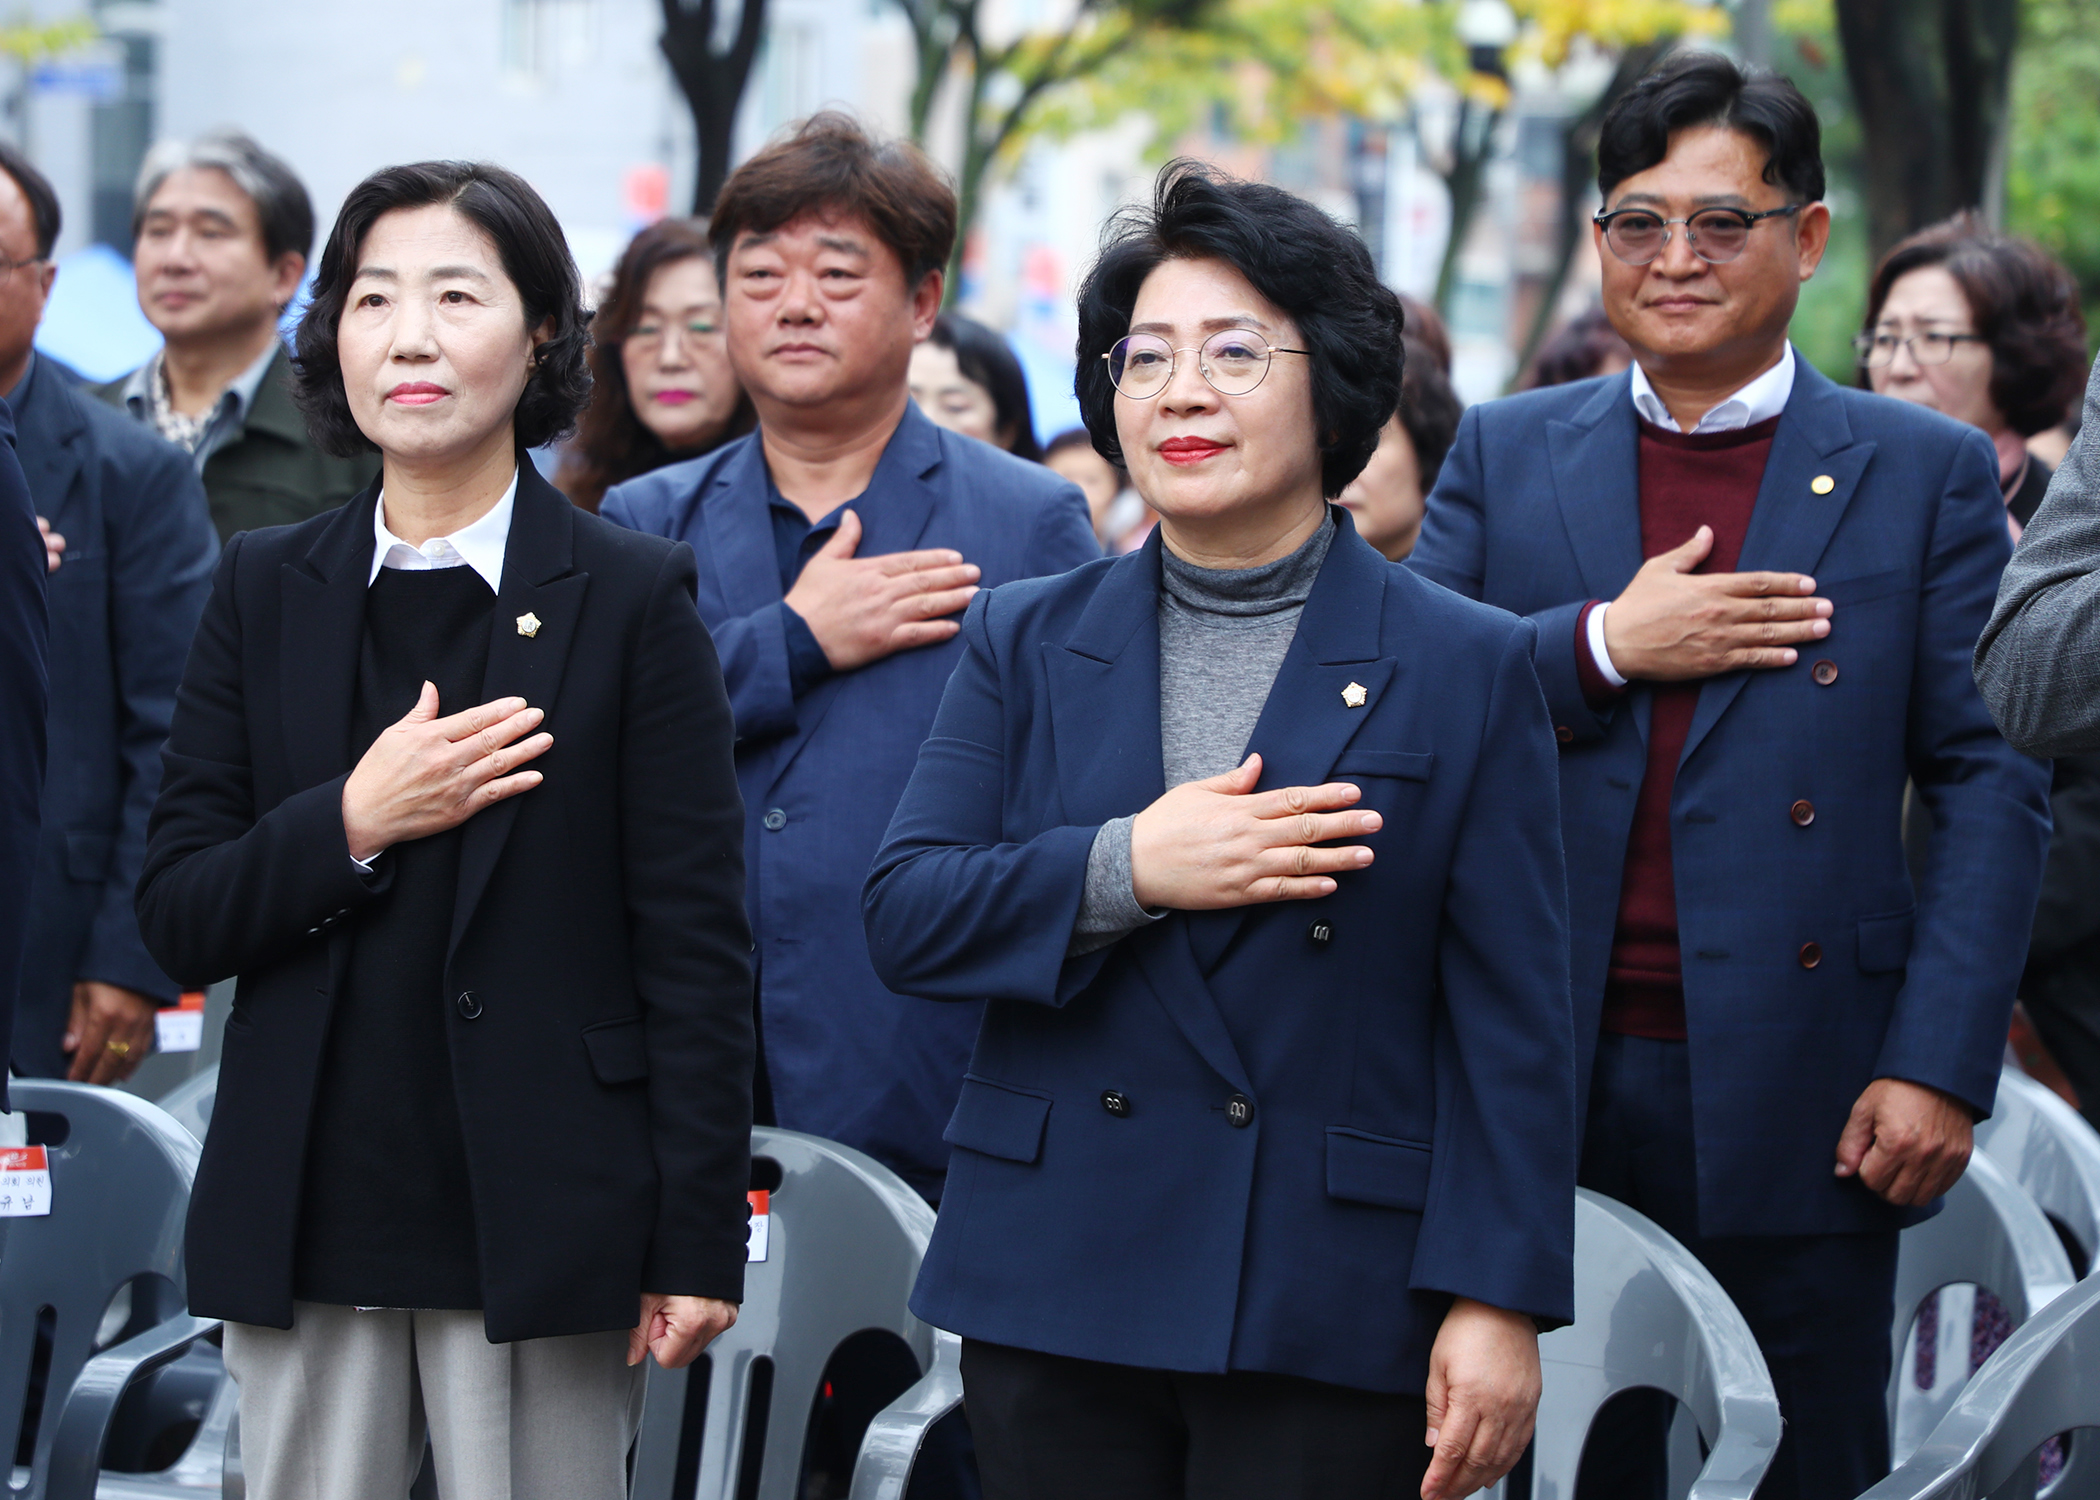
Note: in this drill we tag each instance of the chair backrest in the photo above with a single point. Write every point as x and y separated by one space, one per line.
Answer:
2048 1148
190 1102
1989 1234
1648 1315
845 1239
2043 1380
120 1188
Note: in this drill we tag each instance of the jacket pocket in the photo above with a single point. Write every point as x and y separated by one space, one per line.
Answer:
1412 764
619 1050
1866 587
1377 1169
88 854
999 1120
1884 941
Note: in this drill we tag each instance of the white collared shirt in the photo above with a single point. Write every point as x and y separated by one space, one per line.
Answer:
1761 400
478 546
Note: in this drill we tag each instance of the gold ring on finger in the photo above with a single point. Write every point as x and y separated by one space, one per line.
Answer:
120 1048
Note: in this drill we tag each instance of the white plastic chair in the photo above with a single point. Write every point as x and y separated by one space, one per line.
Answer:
2043 1380
2047 1148
1990 1234
1648 1315
846 1238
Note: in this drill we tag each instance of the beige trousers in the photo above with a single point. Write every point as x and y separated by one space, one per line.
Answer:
336 1408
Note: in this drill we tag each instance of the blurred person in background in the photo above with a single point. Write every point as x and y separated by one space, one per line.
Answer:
1421 324
221 230
1115 507
661 386
1985 327
837 544
1387 498
136 551
24 642
451 789
965 377
1584 346
1756 592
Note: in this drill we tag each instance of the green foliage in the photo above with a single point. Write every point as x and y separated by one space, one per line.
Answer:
2053 171
31 42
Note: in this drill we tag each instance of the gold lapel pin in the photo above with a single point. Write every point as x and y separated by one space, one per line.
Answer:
528 624
1822 484
1356 695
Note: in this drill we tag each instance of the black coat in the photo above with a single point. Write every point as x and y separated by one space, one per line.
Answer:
598 968
124 604
22 702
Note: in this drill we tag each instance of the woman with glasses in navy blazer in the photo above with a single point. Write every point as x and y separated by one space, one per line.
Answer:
1264 1168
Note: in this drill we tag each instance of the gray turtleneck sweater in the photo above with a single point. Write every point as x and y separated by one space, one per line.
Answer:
1223 633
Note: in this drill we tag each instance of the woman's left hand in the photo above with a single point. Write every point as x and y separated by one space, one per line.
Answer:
1482 1397
676 1329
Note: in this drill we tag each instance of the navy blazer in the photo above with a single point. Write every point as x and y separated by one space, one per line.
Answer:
1400 1053
847 1059
124 603
23 697
1811 965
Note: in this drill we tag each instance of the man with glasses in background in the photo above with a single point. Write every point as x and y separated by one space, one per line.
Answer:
1756 594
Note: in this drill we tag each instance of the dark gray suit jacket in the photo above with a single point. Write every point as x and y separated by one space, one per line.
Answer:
2038 661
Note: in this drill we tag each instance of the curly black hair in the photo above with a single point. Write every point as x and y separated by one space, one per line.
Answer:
535 256
1313 269
2023 302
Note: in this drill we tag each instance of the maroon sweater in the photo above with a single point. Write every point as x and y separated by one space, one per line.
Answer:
1686 482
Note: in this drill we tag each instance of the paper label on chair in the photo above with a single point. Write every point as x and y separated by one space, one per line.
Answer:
761 1223
180 1028
25 1182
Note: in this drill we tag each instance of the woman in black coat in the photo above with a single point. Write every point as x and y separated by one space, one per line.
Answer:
450 789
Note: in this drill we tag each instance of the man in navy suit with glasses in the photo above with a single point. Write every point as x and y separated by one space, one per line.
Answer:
1756 595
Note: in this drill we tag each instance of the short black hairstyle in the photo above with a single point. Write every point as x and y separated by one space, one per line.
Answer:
1704 88
1314 270
1429 411
535 256
985 358
43 198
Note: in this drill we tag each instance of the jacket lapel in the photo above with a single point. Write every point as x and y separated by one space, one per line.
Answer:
1307 719
1791 525
740 532
322 596
1596 477
538 579
1104 696
48 443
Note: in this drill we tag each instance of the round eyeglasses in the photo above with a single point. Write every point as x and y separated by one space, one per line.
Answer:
1234 362
1716 235
1877 351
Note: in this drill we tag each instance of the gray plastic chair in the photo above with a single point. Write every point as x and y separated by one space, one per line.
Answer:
1990 1234
2045 1379
190 1102
847 1236
2047 1148
120 1186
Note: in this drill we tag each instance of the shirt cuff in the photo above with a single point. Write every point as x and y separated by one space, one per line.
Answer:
364 866
807 663
1108 907
1593 628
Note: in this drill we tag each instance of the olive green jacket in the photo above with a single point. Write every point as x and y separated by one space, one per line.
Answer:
271 474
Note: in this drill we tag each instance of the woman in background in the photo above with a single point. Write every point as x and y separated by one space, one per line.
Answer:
1986 328
662 389
1584 346
966 379
1388 498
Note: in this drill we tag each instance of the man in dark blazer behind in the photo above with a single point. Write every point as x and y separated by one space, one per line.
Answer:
22 703
832 544
133 571
1791 1042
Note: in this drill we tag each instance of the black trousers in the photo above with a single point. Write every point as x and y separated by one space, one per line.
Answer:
1053 1428
1820 1305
